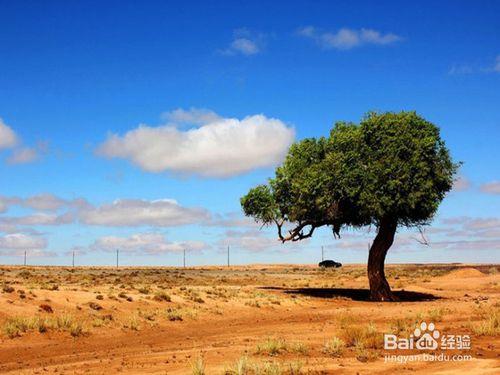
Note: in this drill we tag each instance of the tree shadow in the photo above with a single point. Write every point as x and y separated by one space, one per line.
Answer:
354 294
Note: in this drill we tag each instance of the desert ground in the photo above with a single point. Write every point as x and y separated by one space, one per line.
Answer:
259 319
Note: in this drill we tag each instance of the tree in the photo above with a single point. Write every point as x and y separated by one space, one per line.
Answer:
390 170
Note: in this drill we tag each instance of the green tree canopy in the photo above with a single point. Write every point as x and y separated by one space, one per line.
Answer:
390 169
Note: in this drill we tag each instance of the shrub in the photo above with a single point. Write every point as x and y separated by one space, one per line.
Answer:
174 314
198 366
402 326
133 323
46 308
334 347
362 354
64 322
299 348
95 306
271 347
76 329
294 368
366 336
241 367
347 319
489 325
162 297
24 274
253 303
14 327
43 325
7 289
268 368
436 315
353 335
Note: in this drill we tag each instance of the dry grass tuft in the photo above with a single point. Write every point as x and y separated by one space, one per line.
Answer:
16 326
161 296
367 336
198 366
271 347
489 324
334 347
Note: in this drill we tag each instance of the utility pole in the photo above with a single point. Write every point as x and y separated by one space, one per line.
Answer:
73 262
322 254
117 252
184 259
228 255
25 257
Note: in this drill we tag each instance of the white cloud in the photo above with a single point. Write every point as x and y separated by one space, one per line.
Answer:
136 212
461 184
53 210
471 225
255 240
8 228
244 46
145 243
20 155
42 202
245 43
48 202
463 69
460 69
491 187
80 250
21 241
307 31
376 37
222 147
192 116
6 202
481 223
468 245
233 219
251 240
462 233
39 218
8 138
23 156
346 38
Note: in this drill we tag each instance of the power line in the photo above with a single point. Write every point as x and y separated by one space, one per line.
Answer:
117 253
228 255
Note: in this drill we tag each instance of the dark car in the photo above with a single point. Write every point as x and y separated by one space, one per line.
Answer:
330 264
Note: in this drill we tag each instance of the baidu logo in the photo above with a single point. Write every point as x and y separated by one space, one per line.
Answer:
426 337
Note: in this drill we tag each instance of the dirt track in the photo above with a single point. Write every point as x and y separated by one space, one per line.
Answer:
228 313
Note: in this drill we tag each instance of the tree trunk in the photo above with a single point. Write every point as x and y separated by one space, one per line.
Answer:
379 287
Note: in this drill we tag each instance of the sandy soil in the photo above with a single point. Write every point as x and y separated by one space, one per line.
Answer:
268 319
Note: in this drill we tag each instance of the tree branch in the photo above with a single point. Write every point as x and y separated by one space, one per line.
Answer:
297 233
423 240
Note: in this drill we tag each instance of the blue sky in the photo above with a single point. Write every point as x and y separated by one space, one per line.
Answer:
221 90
